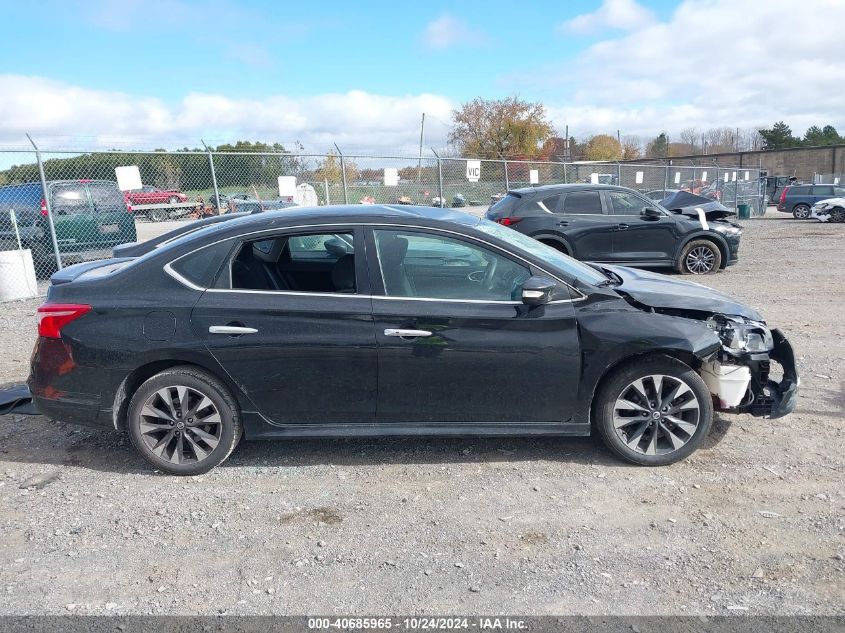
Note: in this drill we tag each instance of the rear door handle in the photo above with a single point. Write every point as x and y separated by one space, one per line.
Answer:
622 227
407 333
231 330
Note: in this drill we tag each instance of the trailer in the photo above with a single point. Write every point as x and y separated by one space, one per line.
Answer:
165 211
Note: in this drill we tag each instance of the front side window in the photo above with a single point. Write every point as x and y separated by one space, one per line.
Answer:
582 202
424 265
623 203
823 190
312 262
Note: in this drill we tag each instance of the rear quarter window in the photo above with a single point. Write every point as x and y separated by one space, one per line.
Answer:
201 267
798 191
504 207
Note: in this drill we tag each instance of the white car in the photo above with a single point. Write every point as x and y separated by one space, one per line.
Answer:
829 210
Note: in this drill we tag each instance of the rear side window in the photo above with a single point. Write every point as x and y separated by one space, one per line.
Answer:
582 202
799 191
823 190
201 267
70 199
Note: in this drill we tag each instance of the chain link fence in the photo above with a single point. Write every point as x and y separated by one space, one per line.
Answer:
60 208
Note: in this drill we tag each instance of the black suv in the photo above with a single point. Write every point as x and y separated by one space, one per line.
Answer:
605 223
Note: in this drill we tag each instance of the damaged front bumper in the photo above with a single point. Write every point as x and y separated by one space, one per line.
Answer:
742 383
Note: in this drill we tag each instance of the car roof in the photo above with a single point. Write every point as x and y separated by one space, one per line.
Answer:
560 188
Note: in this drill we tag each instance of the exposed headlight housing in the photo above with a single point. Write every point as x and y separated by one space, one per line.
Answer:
821 205
739 335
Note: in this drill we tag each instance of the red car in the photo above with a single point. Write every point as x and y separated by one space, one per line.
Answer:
153 195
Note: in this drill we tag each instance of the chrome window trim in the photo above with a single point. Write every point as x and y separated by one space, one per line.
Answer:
578 295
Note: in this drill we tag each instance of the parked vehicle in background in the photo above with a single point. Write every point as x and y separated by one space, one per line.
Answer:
604 223
90 217
153 195
774 186
245 202
829 210
375 321
799 199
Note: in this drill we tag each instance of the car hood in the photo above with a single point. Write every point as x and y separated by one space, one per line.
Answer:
833 201
662 291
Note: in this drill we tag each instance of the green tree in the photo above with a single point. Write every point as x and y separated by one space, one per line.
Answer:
658 147
603 147
779 136
505 127
822 136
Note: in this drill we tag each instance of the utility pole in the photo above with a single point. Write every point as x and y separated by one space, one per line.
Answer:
566 156
419 164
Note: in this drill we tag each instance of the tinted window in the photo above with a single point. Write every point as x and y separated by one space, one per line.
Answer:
549 203
503 208
582 202
823 190
622 203
201 267
799 191
106 196
313 262
432 266
70 199
839 192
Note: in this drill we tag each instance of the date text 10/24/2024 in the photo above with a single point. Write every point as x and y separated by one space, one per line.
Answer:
419 623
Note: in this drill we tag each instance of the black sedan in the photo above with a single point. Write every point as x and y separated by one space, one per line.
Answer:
380 320
604 223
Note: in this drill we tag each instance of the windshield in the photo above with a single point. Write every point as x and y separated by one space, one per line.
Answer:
555 258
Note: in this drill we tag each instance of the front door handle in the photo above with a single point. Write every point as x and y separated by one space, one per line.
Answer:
407 333
622 227
231 330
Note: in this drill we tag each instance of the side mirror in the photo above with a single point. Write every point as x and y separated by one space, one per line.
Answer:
650 213
537 291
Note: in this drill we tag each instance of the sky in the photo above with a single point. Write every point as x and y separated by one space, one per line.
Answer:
167 73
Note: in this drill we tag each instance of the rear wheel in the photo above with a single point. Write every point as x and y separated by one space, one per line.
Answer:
654 411
158 215
801 212
184 421
700 257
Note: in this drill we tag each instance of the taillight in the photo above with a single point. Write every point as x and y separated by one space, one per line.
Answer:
52 317
508 221
783 195
43 207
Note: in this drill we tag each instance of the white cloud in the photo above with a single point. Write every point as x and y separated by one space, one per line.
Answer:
448 31
355 120
706 66
614 14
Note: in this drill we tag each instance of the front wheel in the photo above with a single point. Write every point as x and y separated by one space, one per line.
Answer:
184 421
654 411
801 212
837 215
700 257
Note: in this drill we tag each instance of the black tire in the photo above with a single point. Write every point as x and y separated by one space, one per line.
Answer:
800 212
555 245
158 215
837 215
699 257
189 461
616 386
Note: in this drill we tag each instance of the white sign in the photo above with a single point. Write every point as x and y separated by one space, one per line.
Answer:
287 186
639 178
128 178
704 176
677 177
727 177
533 176
391 176
836 181
473 170
746 176
594 179
733 176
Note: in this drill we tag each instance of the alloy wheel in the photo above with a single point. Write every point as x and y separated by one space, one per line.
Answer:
656 414
802 212
700 260
180 424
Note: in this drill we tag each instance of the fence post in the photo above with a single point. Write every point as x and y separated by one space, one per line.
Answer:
46 193
618 174
507 182
343 174
213 177
565 169
328 195
666 179
439 178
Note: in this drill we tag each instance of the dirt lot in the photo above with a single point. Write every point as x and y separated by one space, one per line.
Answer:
751 524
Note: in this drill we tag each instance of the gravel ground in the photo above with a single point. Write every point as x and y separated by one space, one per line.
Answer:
750 524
